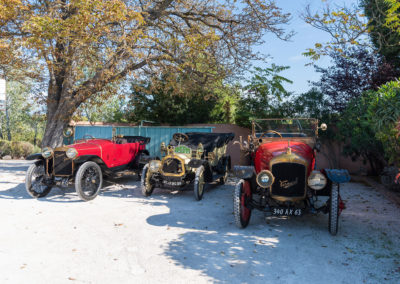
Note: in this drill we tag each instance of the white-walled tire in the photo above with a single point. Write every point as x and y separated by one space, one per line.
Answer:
224 178
241 213
145 183
199 184
333 223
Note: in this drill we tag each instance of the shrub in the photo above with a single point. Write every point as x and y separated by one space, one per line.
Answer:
384 113
17 149
5 148
21 149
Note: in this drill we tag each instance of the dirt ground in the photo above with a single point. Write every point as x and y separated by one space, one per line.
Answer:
122 237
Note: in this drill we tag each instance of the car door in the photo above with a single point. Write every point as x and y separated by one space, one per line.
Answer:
124 153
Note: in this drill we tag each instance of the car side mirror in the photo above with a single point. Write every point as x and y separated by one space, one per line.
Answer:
323 127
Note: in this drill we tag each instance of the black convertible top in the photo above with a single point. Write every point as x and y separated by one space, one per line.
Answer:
132 139
209 140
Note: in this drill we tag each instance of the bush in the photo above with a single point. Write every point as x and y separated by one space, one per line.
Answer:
5 148
17 149
384 113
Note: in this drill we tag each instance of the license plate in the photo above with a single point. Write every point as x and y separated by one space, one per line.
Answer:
172 183
286 211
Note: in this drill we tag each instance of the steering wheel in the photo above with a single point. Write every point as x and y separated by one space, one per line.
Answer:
270 131
180 137
87 136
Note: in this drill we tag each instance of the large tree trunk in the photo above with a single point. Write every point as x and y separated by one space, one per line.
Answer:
60 108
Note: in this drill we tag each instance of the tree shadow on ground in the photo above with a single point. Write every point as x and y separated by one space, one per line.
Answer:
68 194
272 250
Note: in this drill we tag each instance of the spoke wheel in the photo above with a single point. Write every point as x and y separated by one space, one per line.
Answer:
146 186
334 210
34 181
241 196
88 181
199 184
224 178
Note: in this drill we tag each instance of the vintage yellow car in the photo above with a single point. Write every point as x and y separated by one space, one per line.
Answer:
192 158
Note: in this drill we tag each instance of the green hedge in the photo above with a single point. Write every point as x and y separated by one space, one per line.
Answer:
17 149
384 113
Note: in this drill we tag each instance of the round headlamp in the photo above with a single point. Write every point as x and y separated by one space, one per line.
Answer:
265 179
154 165
317 180
71 153
47 152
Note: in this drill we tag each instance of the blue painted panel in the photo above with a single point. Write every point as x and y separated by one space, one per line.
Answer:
95 131
157 134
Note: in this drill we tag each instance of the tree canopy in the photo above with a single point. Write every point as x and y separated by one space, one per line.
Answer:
82 46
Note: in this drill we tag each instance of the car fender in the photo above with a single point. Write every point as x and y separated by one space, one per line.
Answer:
244 172
36 156
337 175
196 163
85 158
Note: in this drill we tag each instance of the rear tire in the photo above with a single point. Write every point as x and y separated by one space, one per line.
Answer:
88 181
224 178
241 194
146 186
33 181
199 184
334 211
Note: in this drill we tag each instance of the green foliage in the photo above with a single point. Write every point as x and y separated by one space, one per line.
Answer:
17 149
177 100
112 109
225 108
262 95
24 123
382 27
358 135
383 114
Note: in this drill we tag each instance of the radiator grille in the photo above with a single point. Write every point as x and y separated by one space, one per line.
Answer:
172 166
62 164
290 179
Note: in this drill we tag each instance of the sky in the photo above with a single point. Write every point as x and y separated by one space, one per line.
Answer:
290 53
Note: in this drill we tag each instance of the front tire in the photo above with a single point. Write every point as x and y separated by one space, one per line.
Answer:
33 181
146 186
334 211
199 184
88 181
241 195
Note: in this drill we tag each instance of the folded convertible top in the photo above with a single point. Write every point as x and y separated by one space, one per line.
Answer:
209 140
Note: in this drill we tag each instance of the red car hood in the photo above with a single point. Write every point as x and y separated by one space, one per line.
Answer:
268 151
91 147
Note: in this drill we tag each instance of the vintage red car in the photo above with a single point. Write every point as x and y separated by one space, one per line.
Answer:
283 179
85 163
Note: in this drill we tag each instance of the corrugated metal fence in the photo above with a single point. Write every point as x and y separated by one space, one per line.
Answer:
157 134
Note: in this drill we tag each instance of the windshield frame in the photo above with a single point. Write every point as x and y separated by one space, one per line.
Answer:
313 122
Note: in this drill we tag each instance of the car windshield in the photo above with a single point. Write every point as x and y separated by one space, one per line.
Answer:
288 127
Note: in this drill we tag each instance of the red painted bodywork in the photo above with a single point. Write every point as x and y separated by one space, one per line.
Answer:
267 151
112 154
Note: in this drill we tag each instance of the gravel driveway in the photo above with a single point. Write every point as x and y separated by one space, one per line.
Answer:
122 237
